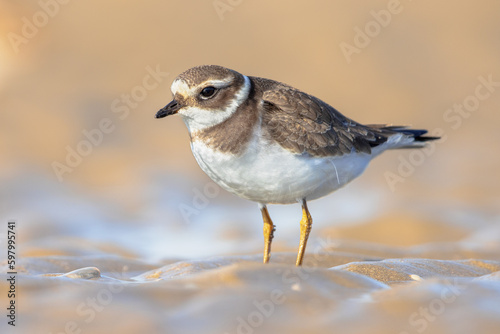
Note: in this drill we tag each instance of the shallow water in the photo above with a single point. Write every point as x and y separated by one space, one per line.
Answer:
136 239
337 288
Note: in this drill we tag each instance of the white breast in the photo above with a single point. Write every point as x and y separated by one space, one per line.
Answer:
267 173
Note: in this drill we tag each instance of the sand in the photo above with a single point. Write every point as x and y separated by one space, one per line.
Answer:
337 290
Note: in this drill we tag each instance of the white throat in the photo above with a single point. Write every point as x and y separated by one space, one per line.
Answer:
197 119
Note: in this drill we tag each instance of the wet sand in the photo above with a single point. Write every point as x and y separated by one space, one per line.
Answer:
349 286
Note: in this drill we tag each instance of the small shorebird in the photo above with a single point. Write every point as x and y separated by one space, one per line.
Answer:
273 144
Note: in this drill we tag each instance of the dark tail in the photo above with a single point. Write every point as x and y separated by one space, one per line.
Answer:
418 135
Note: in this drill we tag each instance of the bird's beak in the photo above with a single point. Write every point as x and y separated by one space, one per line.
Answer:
169 109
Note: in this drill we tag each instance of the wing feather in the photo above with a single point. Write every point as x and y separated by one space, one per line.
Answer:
304 124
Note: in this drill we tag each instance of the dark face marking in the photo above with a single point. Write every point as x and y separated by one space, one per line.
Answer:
221 97
233 135
214 87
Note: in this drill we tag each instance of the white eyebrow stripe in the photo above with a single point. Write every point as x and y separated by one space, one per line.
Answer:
179 86
217 83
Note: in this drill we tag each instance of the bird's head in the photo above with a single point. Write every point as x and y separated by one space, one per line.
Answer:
206 95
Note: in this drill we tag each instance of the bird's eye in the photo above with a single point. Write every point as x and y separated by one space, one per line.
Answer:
208 92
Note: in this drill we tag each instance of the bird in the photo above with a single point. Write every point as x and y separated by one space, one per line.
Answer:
270 143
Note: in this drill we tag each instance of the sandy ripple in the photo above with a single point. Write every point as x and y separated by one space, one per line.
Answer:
238 294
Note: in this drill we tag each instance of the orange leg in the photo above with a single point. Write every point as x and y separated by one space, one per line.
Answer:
269 229
305 229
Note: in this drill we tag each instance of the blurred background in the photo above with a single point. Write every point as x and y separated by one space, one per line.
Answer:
86 168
